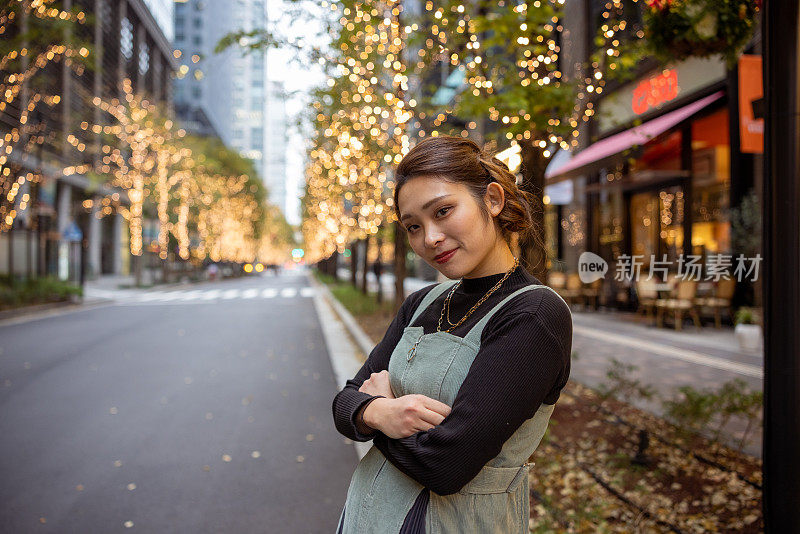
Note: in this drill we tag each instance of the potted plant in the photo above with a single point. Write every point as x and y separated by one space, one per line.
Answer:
747 330
677 29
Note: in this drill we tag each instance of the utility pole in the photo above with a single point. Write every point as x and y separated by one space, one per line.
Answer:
781 267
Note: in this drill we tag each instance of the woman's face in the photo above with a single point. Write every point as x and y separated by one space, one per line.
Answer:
446 226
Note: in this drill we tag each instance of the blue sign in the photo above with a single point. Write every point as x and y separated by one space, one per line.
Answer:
72 233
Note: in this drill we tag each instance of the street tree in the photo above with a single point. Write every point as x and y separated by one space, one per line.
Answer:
514 87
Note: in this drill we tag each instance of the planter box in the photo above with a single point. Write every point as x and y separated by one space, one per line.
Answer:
749 337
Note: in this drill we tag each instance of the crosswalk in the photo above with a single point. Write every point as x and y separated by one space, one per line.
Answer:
199 296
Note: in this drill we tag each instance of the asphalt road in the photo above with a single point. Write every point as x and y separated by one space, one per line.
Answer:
188 412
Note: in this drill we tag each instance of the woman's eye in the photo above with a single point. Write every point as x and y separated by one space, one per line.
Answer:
411 228
442 211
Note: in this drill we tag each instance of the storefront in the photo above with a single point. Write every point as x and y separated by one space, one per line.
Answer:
658 182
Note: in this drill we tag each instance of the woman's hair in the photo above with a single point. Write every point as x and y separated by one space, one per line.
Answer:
460 160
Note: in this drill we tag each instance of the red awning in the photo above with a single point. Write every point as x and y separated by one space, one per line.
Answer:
638 135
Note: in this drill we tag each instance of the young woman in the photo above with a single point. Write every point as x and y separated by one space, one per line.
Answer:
457 395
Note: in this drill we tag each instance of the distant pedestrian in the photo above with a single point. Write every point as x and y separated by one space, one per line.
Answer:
212 271
459 392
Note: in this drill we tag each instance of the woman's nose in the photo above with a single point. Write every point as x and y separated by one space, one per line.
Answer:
433 237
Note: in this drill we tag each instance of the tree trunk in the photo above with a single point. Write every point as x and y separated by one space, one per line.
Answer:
165 269
334 265
533 249
354 263
364 264
379 242
137 269
399 265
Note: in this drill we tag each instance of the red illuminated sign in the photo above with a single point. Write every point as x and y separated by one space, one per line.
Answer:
653 92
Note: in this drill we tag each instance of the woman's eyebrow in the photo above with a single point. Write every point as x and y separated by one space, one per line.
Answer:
426 205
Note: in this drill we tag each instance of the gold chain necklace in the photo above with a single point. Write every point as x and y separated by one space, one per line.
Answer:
446 306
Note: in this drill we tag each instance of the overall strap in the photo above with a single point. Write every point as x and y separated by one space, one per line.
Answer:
430 297
474 335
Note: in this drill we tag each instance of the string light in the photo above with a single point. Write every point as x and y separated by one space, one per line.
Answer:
20 98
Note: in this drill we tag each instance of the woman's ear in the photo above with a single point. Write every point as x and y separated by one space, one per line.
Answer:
494 198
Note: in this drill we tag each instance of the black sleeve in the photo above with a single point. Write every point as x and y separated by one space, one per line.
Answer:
349 400
524 360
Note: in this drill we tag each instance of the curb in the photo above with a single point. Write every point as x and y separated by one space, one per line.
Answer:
365 344
36 308
40 311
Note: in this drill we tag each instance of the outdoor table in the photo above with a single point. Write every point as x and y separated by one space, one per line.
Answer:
664 289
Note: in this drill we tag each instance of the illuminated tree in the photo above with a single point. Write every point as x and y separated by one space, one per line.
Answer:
361 129
510 56
33 36
192 185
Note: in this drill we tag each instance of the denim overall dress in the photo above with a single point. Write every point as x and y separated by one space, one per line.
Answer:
497 499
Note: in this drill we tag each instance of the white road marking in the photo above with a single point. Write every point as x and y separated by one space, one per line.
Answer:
199 296
170 295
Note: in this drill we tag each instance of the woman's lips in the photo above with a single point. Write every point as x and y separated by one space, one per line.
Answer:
445 256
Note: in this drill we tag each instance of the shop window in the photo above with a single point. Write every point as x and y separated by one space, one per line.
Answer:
711 184
657 224
126 38
144 58
607 220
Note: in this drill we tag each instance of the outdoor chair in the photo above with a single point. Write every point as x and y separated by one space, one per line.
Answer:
672 280
682 302
647 296
721 300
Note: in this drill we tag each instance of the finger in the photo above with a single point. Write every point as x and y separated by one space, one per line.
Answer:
431 417
436 406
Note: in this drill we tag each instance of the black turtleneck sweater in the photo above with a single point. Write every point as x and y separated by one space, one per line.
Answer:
523 361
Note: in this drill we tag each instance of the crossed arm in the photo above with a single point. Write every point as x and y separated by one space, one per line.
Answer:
397 417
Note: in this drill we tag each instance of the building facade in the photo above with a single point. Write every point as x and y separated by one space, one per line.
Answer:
229 94
660 168
275 175
128 41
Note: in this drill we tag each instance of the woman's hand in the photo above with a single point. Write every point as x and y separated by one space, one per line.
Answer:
378 384
405 416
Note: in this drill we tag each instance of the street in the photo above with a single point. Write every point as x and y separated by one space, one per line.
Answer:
205 413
